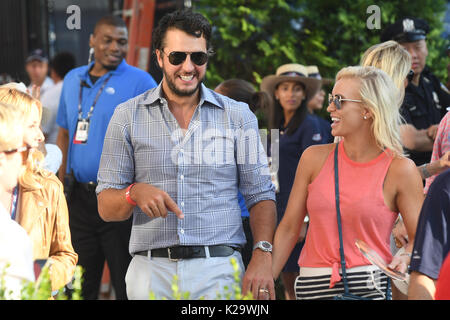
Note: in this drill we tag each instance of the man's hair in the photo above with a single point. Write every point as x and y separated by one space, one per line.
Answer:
186 20
62 63
110 20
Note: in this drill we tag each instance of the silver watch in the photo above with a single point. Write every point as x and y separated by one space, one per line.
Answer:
263 245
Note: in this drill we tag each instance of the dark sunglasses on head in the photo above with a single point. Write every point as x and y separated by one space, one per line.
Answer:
410 75
178 57
20 150
337 99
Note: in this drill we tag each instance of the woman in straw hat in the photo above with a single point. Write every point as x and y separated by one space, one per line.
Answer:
291 88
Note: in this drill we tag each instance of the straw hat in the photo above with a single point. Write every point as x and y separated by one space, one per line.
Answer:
291 72
313 72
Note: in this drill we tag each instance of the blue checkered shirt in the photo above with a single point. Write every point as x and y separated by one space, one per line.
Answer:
201 168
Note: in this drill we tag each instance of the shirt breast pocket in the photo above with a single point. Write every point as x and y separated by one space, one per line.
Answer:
418 117
218 155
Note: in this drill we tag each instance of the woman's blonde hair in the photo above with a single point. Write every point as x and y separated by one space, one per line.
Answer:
13 95
379 96
392 58
11 126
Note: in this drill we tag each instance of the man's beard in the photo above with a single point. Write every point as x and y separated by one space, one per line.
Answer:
111 67
178 92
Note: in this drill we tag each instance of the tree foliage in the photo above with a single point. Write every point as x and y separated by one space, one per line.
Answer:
253 37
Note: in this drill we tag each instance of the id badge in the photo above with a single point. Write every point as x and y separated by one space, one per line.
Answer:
81 135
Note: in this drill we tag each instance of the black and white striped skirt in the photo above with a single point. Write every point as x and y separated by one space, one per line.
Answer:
366 281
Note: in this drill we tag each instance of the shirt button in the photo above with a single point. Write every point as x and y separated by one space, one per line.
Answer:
182 231
182 203
182 177
181 150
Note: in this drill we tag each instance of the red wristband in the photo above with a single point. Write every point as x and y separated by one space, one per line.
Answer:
127 195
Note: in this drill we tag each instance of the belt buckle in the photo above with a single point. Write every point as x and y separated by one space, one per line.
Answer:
170 256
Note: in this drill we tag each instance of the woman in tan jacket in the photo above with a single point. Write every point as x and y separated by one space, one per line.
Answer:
40 206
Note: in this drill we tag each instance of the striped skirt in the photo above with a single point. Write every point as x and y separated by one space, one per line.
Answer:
366 281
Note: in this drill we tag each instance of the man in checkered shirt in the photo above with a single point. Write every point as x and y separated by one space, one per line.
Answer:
174 157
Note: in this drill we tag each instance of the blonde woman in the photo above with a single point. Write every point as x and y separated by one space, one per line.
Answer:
15 245
393 59
376 183
40 206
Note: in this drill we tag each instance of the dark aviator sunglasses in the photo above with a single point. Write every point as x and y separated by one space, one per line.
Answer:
20 150
178 57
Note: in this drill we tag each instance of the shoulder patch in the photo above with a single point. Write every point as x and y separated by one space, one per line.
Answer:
317 137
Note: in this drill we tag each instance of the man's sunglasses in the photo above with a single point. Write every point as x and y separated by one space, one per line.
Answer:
337 99
178 57
410 75
20 150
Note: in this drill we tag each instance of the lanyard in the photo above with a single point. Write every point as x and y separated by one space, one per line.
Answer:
14 203
91 110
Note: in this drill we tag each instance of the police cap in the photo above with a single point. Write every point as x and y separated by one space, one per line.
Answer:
408 29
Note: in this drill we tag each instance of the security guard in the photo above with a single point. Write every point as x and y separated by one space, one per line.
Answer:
426 98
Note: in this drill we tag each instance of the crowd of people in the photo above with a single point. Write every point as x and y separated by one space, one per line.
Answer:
100 163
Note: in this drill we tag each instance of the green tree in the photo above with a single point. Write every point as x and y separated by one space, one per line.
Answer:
252 38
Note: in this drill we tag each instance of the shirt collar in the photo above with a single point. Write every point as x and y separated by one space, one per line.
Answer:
206 95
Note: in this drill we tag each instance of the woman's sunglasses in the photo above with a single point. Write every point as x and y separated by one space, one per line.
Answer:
178 57
20 150
337 99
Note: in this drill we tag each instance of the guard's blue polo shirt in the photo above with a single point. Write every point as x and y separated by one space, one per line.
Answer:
125 83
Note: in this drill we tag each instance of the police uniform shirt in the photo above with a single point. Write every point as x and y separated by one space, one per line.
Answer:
424 105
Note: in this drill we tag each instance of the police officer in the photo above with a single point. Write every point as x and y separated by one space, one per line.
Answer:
426 98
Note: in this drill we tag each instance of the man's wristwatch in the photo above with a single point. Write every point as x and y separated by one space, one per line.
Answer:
263 245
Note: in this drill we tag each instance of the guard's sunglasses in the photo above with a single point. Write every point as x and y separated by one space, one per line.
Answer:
337 99
178 57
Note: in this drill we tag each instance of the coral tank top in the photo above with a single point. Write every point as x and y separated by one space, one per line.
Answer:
365 216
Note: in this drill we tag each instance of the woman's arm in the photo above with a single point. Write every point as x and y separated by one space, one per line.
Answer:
62 254
408 201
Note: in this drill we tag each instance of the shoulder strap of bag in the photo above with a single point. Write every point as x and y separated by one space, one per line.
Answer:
338 211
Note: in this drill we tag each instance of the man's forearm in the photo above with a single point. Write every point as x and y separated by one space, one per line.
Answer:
413 139
263 221
62 141
112 205
421 287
